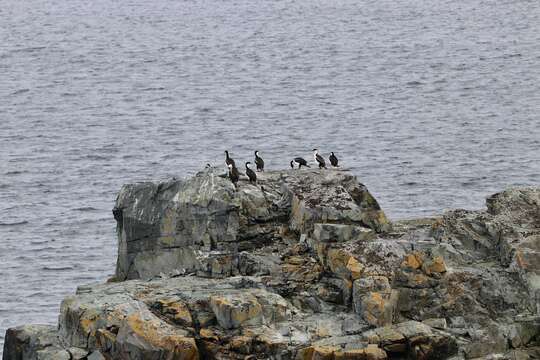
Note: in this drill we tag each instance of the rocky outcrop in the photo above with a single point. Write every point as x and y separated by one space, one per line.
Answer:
303 265
201 225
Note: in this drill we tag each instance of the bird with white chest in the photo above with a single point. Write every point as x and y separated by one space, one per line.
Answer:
318 158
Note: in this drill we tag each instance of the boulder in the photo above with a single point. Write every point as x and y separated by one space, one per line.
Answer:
202 223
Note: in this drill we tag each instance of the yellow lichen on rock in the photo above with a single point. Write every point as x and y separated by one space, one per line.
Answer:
178 310
436 265
344 265
412 261
355 267
162 336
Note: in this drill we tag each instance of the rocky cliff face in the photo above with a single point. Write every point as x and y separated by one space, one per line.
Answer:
303 265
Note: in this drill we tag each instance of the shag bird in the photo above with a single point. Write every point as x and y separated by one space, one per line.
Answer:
333 159
233 174
251 174
319 159
228 159
259 161
300 161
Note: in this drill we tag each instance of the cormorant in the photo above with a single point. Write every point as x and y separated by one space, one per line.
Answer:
333 159
300 161
319 159
228 159
251 174
233 174
259 161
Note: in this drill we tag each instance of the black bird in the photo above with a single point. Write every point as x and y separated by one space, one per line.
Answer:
300 161
259 161
233 174
333 160
319 159
251 174
228 159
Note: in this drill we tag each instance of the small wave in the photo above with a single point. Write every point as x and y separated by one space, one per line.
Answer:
24 222
30 49
20 91
153 89
414 83
95 157
15 172
85 208
57 268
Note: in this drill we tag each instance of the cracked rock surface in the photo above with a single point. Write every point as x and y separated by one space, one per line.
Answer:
303 265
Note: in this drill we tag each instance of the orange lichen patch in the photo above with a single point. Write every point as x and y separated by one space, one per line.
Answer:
305 353
436 265
88 322
520 260
241 344
177 310
343 264
419 279
232 312
412 261
353 354
373 352
437 223
373 308
209 334
323 353
355 267
160 335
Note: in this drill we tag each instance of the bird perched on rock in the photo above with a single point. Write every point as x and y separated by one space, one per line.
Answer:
259 162
228 159
233 174
250 173
319 159
300 161
333 159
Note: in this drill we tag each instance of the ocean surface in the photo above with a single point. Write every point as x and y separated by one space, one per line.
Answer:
433 104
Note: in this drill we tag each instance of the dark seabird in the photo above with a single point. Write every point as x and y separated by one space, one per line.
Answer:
251 174
300 161
333 160
228 159
233 174
319 159
259 161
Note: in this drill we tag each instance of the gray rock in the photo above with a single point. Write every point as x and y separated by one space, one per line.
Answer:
180 224
96 355
304 265
34 342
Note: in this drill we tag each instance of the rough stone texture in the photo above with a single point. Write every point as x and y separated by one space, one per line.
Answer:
201 224
302 266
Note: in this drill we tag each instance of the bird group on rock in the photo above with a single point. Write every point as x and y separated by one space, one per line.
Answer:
234 174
